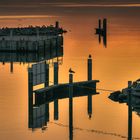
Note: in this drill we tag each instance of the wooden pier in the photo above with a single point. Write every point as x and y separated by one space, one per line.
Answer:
30 39
61 91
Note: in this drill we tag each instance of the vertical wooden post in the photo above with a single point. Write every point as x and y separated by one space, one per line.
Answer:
30 97
105 26
129 111
56 73
46 74
56 117
99 23
89 65
70 106
56 24
90 78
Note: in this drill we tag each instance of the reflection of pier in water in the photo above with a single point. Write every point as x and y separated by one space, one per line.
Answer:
133 102
39 110
54 50
102 31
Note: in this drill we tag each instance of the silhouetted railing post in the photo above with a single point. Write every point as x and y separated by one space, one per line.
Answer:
129 111
55 83
30 97
70 105
89 68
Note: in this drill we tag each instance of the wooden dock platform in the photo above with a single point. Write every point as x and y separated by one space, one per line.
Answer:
61 91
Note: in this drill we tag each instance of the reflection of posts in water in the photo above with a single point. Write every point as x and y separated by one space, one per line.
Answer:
129 112
90 78
11 67
89 65
99 23
90 106
105 31
46 85
47 115
99 38
55 83
100 29
70 106
30 97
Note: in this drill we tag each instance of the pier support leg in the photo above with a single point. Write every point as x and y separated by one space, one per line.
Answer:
56 116
47 112
129 111
99 23
71 106
30 97
46 75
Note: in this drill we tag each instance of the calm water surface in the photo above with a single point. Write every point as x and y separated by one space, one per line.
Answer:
113 66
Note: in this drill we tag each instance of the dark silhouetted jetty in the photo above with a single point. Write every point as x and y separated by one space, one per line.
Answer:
29 38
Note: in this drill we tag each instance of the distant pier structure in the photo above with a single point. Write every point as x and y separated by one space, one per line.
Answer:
101 31
29 39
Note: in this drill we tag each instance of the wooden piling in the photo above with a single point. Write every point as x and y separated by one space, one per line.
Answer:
89 65
56 73
30 97
105 26
99 23
129 111
90 78
70 106
46 74
56 117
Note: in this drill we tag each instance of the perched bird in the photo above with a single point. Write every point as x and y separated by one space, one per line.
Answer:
90 56
71 71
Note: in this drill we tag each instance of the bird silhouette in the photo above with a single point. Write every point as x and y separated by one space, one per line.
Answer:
71 71
90 56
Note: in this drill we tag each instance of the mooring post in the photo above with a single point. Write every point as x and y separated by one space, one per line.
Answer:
105 26
99 23
71 104
89 65
89 104
56 117
57 24
30 97
129 111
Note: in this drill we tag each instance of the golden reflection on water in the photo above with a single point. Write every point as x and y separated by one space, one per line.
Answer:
113 66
